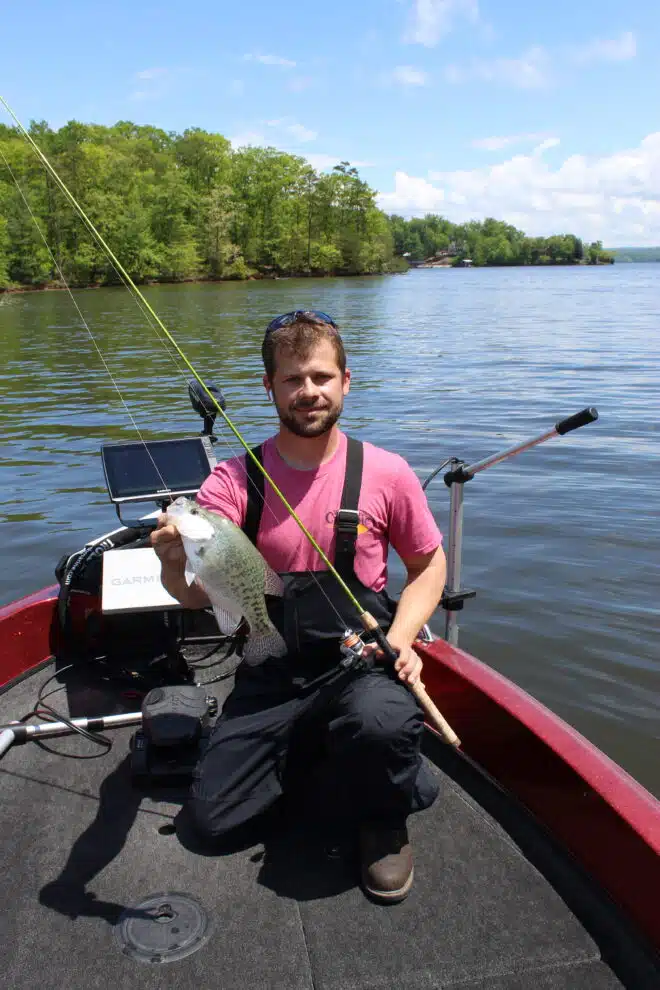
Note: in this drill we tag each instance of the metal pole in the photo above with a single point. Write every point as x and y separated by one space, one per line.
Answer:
455 480
16 733
454 557
588 415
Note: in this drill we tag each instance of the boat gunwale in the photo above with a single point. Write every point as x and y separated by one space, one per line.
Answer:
605 818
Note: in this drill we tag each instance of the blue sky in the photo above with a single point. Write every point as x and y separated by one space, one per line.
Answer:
546 115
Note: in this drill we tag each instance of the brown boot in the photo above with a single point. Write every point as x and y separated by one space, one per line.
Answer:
387 863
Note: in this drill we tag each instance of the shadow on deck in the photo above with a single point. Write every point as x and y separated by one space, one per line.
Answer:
495 905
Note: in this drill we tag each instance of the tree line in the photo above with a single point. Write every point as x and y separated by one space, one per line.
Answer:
184 206
489 242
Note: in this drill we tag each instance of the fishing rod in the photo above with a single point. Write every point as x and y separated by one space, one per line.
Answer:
369 623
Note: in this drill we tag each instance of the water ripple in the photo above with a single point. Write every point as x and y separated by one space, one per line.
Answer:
562 544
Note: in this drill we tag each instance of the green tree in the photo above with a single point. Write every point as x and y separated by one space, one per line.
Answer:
4 247
178 206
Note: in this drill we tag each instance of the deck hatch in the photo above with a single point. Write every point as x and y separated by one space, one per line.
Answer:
163 928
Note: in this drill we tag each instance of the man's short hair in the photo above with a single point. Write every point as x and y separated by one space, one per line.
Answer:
301 337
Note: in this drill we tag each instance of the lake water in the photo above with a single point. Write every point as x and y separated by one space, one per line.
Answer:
562 543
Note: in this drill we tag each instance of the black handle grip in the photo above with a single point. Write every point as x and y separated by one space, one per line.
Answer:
588 415
391 655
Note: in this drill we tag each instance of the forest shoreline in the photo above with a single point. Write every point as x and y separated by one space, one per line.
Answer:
262 277
149 283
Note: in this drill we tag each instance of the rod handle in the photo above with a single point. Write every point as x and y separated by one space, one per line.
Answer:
588 415
432 712
434 715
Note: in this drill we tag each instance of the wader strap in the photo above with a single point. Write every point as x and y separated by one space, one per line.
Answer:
346 520
255 495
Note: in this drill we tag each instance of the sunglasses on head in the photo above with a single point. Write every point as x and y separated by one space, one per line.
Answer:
311 315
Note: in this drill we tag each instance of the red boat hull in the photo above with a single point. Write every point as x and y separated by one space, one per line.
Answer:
608 822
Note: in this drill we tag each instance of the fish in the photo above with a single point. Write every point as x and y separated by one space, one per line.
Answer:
233 574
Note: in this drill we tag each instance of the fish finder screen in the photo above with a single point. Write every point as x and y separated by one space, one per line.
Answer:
154 470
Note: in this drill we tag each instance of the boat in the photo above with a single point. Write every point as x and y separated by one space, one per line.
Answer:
538 866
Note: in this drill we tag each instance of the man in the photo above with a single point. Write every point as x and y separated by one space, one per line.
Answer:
356 500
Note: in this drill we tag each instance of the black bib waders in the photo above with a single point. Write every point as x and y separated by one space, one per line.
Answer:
302 712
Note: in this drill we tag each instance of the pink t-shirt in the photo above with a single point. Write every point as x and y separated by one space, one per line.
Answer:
392 509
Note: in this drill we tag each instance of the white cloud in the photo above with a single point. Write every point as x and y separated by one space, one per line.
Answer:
286 63
297 131
150 73
408 75
253 138
412 195
285 130
301 133
534 68
619 49
550 142
497 143
614 198
430 20
530 71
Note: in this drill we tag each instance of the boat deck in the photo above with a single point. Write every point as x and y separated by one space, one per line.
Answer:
495 905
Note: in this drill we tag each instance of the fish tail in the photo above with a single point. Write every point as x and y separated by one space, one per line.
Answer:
266 642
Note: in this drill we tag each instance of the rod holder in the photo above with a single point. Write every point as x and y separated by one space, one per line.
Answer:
458 474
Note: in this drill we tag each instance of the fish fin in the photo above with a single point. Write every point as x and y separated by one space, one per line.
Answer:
189 574
267 643
227 621
273 584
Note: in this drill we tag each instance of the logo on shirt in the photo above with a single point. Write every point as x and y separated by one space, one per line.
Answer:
365 523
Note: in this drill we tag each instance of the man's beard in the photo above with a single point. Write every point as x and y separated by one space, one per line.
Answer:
321 424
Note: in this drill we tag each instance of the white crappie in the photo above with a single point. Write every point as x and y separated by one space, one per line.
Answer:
233 574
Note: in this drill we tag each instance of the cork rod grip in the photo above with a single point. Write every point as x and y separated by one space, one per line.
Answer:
433 714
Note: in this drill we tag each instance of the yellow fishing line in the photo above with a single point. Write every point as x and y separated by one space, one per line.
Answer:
131 284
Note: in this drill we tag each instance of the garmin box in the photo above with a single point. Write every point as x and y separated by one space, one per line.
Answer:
131 582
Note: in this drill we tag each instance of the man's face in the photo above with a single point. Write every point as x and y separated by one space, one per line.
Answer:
309 392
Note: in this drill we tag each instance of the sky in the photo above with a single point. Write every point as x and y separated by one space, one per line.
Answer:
545 115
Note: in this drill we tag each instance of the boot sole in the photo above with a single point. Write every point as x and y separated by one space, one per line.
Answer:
390 896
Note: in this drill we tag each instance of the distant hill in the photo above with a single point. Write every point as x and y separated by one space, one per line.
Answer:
635 253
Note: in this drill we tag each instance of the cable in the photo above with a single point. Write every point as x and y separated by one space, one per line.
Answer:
50 714
235 647
437 471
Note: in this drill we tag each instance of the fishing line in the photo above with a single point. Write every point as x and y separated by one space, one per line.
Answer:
368 622
183 357
170 354
147 311
83 320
